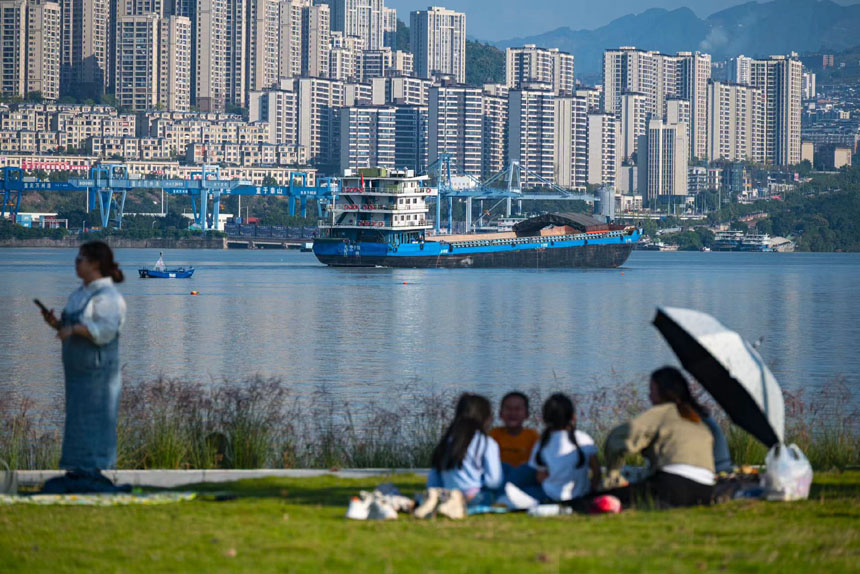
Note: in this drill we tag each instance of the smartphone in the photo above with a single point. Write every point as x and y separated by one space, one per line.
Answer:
55 324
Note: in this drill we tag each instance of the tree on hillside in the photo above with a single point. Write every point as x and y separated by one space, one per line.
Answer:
402 38
484 64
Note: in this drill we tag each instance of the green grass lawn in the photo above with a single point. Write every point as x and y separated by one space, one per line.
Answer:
297 525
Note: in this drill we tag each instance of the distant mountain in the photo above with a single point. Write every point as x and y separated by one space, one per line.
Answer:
751 29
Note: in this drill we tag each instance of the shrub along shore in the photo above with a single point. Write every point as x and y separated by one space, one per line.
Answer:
262 423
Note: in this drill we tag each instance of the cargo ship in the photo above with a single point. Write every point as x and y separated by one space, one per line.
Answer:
380 220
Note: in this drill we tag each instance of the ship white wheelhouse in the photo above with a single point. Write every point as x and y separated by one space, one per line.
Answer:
379 205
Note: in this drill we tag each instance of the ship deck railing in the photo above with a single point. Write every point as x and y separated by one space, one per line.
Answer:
416 225
535 239
423 191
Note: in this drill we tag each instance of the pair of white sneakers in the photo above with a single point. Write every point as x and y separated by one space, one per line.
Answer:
377 505
442 501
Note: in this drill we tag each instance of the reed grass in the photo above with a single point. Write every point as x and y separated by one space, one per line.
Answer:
262 423
26 439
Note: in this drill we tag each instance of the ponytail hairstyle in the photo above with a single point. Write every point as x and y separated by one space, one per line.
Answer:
558 412
473 415
100 252
672 387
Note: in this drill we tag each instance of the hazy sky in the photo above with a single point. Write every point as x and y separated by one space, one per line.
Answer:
503 19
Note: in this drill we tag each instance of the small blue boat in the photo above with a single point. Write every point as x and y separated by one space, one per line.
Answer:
175 273
159 271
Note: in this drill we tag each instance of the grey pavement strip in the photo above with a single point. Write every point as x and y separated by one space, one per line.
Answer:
175 478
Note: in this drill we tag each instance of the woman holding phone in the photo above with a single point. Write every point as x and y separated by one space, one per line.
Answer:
89 330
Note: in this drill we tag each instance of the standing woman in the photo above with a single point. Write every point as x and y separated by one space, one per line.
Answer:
89 330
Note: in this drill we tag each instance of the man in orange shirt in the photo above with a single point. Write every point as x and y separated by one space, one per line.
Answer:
515 441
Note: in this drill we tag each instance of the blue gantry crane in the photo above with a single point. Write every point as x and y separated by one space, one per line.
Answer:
505 186
108 185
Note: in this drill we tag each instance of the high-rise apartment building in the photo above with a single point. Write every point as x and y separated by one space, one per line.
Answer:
780 79
570 145
357 94
43 49
346 57
663 160
264 21
174 70
456 127
389 27
306 112
290 40
693 74
360 18
604 132
152 56
86 30
808 88
368 137
739 70
401 90
660 78
679 111
209 54
383 63
279 109
374 63
235 52
531 132
628 70
530 64
402 64
385 136
13 47
316 40
634 122
136 60
411 133
592 97
495 129
143 7
735 123
319 102
438 38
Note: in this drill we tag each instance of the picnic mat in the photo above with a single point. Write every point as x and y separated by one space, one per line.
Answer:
148 499
484 509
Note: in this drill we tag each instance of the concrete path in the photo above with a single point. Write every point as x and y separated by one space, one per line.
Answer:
176 478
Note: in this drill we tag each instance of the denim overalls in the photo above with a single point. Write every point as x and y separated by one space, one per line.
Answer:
93 385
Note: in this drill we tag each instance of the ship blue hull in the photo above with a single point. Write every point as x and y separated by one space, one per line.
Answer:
531 253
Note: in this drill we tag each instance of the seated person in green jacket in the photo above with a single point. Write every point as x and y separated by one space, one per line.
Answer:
678 445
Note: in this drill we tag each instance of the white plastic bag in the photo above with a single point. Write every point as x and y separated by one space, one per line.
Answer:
788 475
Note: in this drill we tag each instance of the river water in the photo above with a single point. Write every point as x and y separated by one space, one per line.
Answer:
366 333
